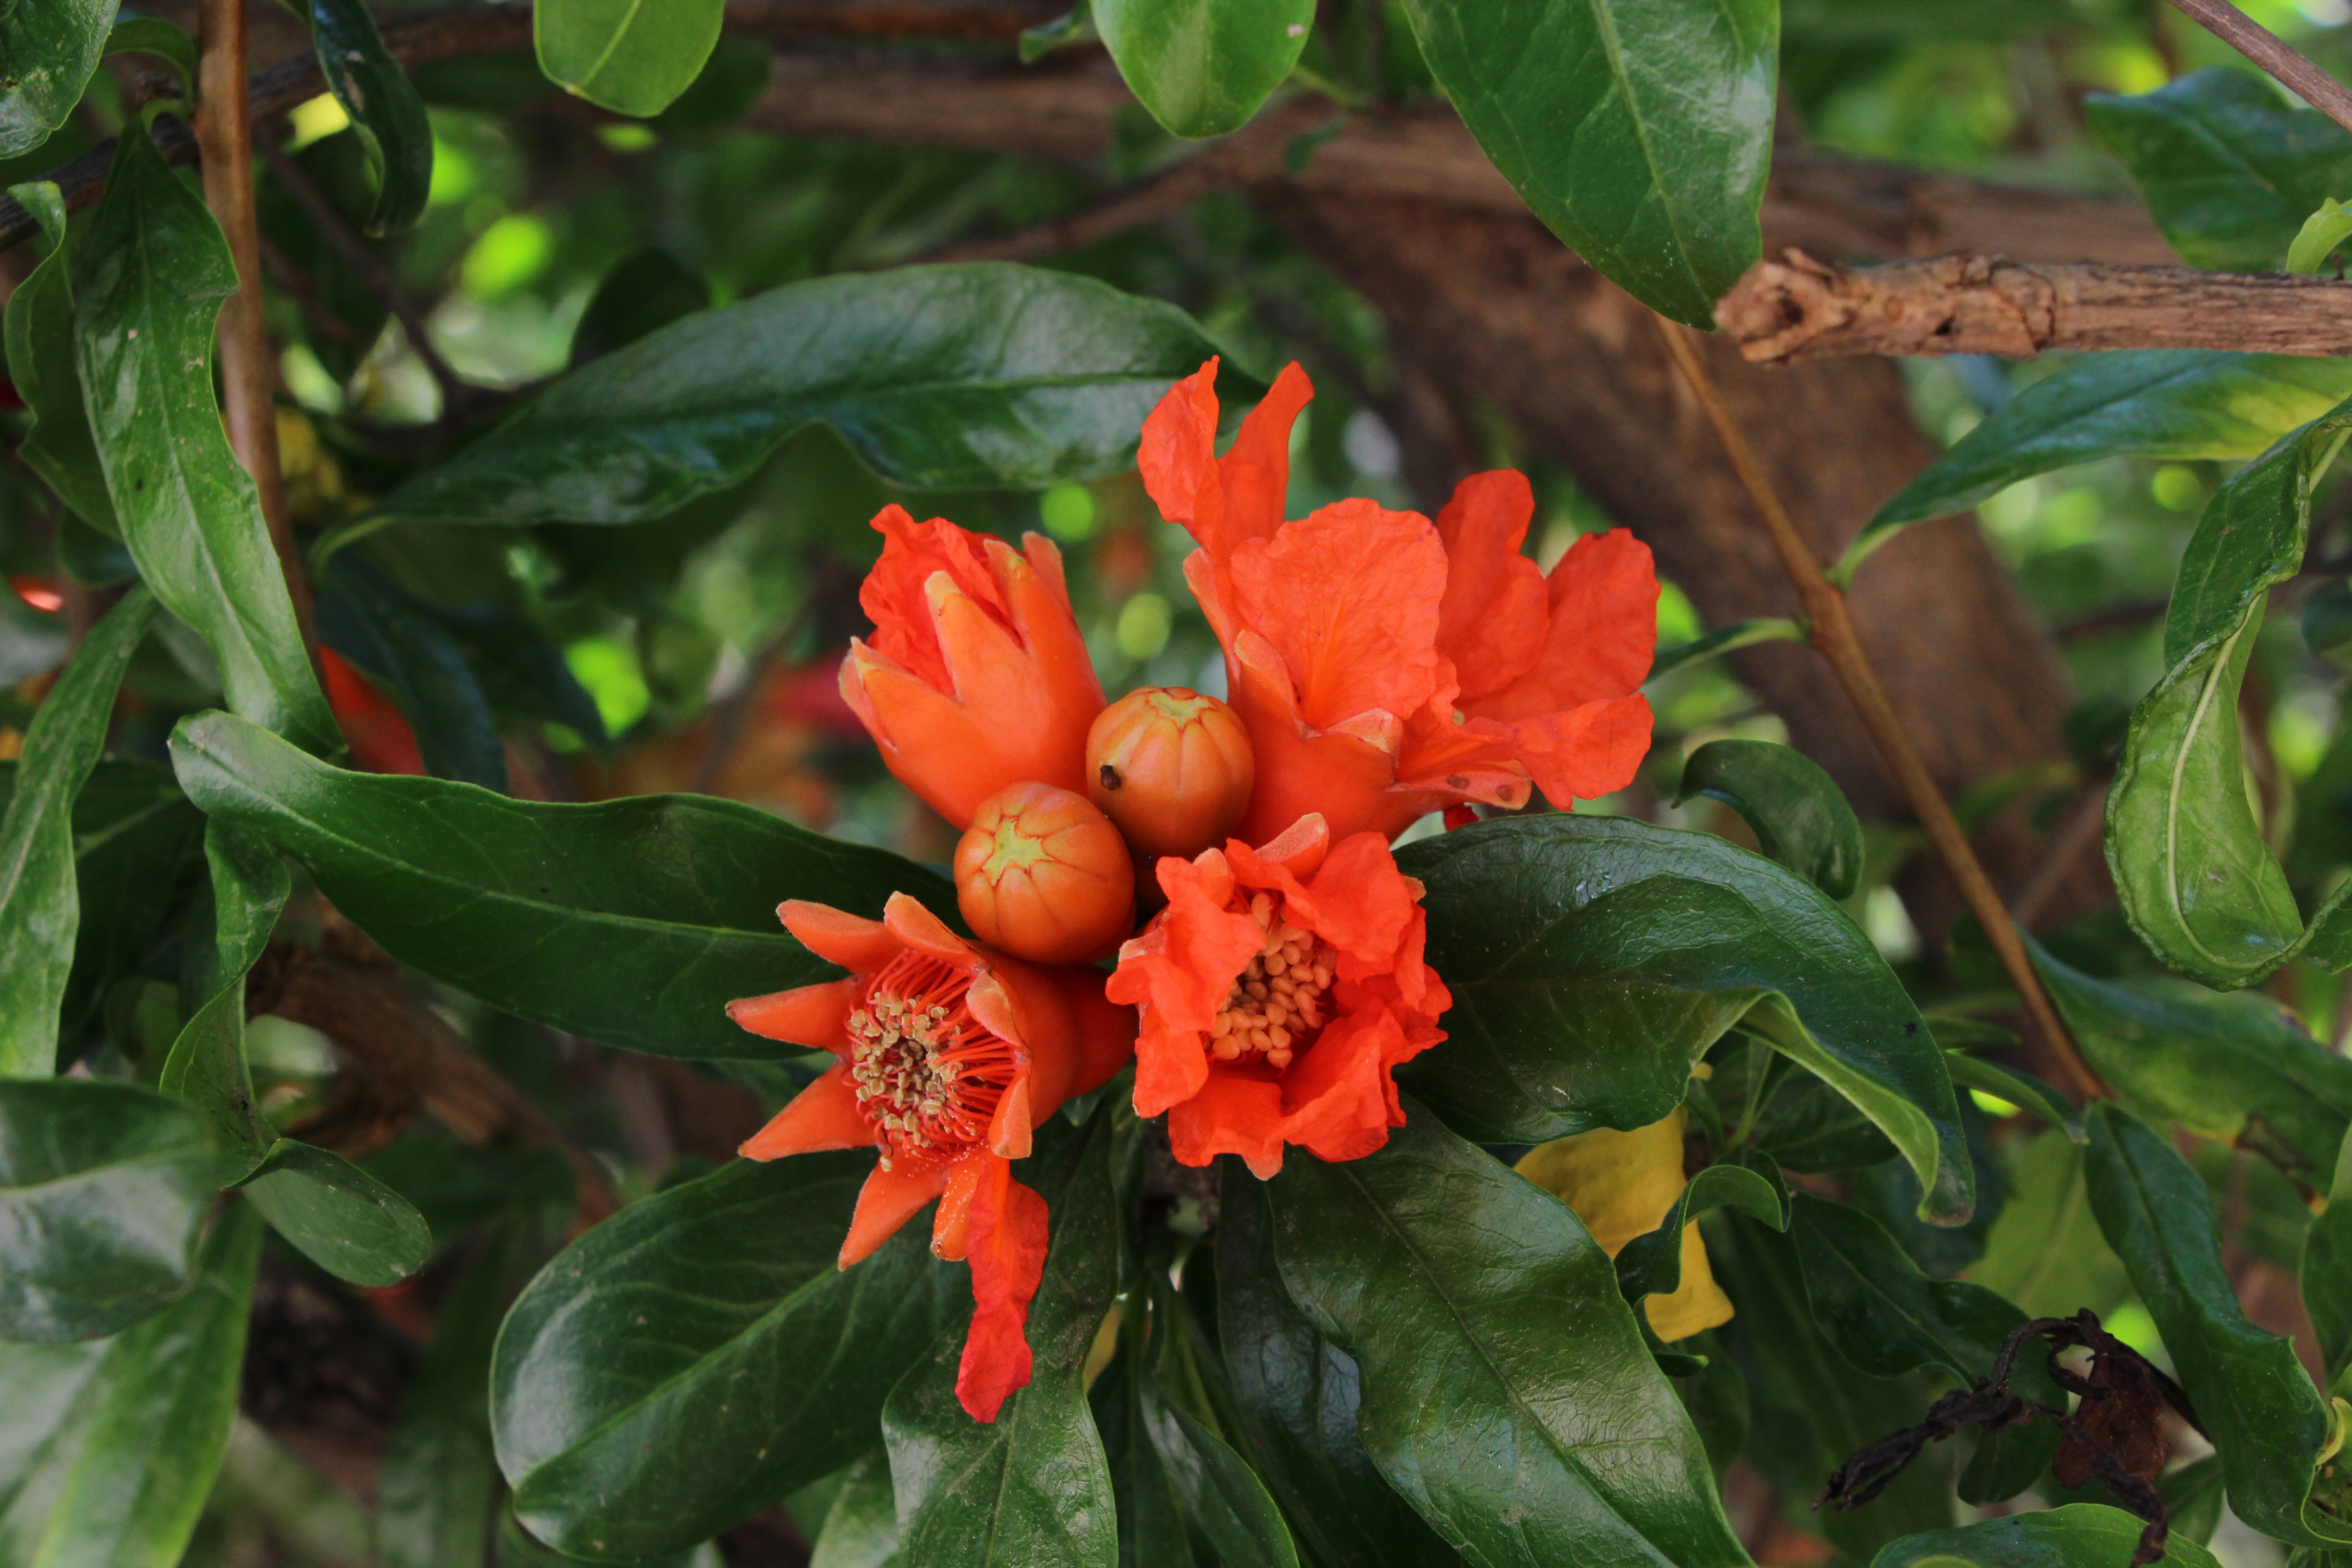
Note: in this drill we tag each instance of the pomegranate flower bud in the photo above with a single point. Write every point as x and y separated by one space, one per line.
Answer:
1043 876
1172 767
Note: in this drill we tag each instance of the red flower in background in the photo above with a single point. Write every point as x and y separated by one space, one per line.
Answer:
977 676
950 1056
1279 989
381 739
1389 666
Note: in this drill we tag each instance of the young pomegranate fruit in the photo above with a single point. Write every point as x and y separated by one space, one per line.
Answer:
1043 876
1172 767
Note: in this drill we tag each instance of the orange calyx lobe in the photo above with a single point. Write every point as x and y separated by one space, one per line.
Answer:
1281 1001
927 1074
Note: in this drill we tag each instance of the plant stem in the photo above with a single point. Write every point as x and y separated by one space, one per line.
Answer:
1833 635
2268 50
224 139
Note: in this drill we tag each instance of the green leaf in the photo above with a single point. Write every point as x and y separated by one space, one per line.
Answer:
2326 1274
641 294
633 922
1475 1302
700 1354
1638 131
103 1186
1223 1494
2241 1068
206 1066
1031 1488
2045 1253
2261 1410
1751 1181
730 82
147 275
1797 812
50 50
2196 882
972 376
391 636
42 365
440 1478
2228 167
631 56
1593 959
2321 233
2182 403
861 1527
135 838
155 1421
384 110
342 1218
2021 1089
40 902
1750 633
2080 1535
1295 1398
1202 66
37 1421
162 40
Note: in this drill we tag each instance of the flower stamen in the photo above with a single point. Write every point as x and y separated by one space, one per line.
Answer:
927 1074
1280 1001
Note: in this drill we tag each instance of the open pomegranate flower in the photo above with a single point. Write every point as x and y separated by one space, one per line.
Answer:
950 1055
1386 666
976 676
1279 989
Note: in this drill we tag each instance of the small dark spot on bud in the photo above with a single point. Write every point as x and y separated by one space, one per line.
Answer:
1456 781
1110 779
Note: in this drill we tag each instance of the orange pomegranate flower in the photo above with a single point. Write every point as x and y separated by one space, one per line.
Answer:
950 1055
1386 666
1278 989
977 676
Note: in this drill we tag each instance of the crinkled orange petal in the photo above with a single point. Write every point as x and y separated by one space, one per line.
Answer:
1583 753
816 1016
1234 1112
895 594
1178 457
1254 472
1340 1101
1005 1245
854 942
825 1115
1345 777
1602 635
889 1200
1180 971
1492 620
1355 900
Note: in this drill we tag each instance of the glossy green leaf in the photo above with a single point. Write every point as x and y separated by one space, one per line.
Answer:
1152 1532
1638 131
50 50
2194 1496
1225 1496
633 922
40 902
631 56
2230 168
861 1527
2326 1274
45 1383
2321 233
1031 1488
339 1217
158 39
2021 1089
643 293
2182 403
391 636
2196 880
941 378
155 1421
2080 1535
102 1187
1506 1393
1797 812
2241 1068
1202 66
700 1354
440 1478
43 366
367 80
1592 960
1731 639
2045 1253
1295 1398
148 274
1745 1180
206 1066
2255 1402
136 838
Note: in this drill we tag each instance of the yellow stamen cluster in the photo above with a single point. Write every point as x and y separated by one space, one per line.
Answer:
927 1075
1279 1000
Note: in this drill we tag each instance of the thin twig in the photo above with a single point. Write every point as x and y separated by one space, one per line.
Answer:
2073 838
1833 634
2268 50
248 375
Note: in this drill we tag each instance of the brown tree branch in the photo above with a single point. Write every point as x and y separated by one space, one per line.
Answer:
2270 52
1798 308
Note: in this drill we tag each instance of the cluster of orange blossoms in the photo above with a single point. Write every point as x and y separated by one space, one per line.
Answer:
1380 667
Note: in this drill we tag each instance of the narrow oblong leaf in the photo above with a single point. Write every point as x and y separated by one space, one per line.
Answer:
149 275
2080 1535
384 109
1747 1180
440 1476
1797 812
1032 1488
43 366
50 50
2020 1089
981 375
2327 1273
1592 960
207 1065
40 902
1202 66
1473 1300
861 1527
1638 131
342 1218
392 636
633 922
700 1354
136 838
2261 1412
631 56
2317 240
